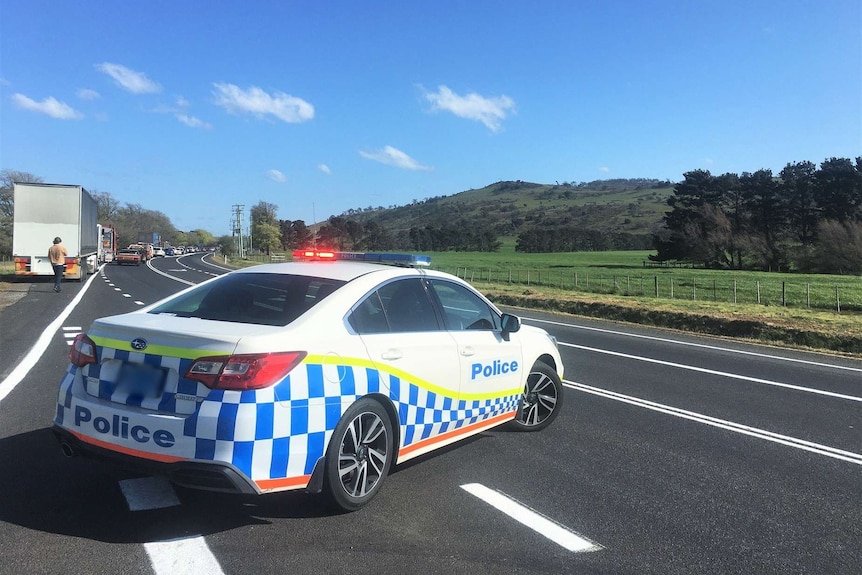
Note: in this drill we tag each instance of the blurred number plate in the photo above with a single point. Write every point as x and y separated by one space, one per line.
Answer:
141 380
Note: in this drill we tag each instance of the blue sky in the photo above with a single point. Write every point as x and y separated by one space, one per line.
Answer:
190 107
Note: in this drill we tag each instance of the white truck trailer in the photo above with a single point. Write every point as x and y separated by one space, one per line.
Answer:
45 211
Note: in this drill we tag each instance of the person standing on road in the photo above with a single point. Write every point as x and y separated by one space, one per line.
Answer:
57 254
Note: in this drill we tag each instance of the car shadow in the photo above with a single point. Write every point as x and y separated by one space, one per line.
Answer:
45 491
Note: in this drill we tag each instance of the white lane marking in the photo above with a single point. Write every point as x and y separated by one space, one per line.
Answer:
719 373
126 295
169 276
700 345
139 302
186 556
148 493
817 448
537 522
38 349
70 332
118 289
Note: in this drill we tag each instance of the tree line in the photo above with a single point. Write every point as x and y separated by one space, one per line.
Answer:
807 219
270 234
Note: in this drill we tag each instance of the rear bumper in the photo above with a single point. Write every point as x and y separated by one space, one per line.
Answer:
206 475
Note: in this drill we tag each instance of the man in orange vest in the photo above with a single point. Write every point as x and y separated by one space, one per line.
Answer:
57 254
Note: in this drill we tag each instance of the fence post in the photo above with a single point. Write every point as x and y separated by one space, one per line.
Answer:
714 296
837 300
783 294
671 288
694 290
807 295
656 285
576 280
758 291
734 291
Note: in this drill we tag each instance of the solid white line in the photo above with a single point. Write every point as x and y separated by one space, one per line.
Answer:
719 373
802 444
188 556
38 349
539 523
700 345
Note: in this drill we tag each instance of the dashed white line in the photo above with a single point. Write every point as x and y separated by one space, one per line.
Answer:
183 556
148 493
557 533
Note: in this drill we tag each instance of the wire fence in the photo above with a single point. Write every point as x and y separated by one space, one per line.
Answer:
845 294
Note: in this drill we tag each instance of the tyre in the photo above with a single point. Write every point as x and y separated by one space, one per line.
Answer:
359 455
542 399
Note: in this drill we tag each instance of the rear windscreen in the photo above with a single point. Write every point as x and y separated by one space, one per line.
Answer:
264 299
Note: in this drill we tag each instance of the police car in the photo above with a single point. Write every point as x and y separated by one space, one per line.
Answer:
318 374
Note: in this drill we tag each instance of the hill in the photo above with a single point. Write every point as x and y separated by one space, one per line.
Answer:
633 207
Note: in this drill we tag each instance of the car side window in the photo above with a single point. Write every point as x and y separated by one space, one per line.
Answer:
408 307
369 317
463 309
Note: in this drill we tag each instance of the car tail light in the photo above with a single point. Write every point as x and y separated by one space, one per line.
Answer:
83 351
246 371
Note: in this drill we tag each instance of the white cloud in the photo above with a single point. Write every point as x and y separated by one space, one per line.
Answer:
276 176
134 82
489 111
605 170
87 94
48 106
182 102
193 122
255 101
393 157
324 168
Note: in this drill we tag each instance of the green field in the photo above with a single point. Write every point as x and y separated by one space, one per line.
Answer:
627 273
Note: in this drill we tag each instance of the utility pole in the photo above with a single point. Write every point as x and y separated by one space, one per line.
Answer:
236 225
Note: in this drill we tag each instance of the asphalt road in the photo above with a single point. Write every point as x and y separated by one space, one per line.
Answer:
673 454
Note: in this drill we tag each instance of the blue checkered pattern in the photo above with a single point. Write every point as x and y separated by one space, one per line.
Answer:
277 432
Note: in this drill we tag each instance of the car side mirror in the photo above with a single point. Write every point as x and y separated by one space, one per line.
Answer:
511 324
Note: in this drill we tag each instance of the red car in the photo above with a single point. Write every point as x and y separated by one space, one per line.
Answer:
128 257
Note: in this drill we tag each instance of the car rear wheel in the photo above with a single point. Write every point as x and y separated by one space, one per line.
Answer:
359 456
542 399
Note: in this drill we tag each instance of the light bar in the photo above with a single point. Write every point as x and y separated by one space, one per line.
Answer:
392 259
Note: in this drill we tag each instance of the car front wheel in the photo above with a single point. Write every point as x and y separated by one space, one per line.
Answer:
359 456
542 399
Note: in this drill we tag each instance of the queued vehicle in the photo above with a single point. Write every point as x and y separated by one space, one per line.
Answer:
128 256
318 374
158 252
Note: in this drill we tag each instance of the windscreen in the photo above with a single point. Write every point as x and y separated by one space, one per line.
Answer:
263 299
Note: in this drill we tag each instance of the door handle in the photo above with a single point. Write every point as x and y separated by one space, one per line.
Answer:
468 351
392 354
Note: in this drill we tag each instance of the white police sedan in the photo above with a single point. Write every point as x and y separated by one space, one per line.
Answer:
316 375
